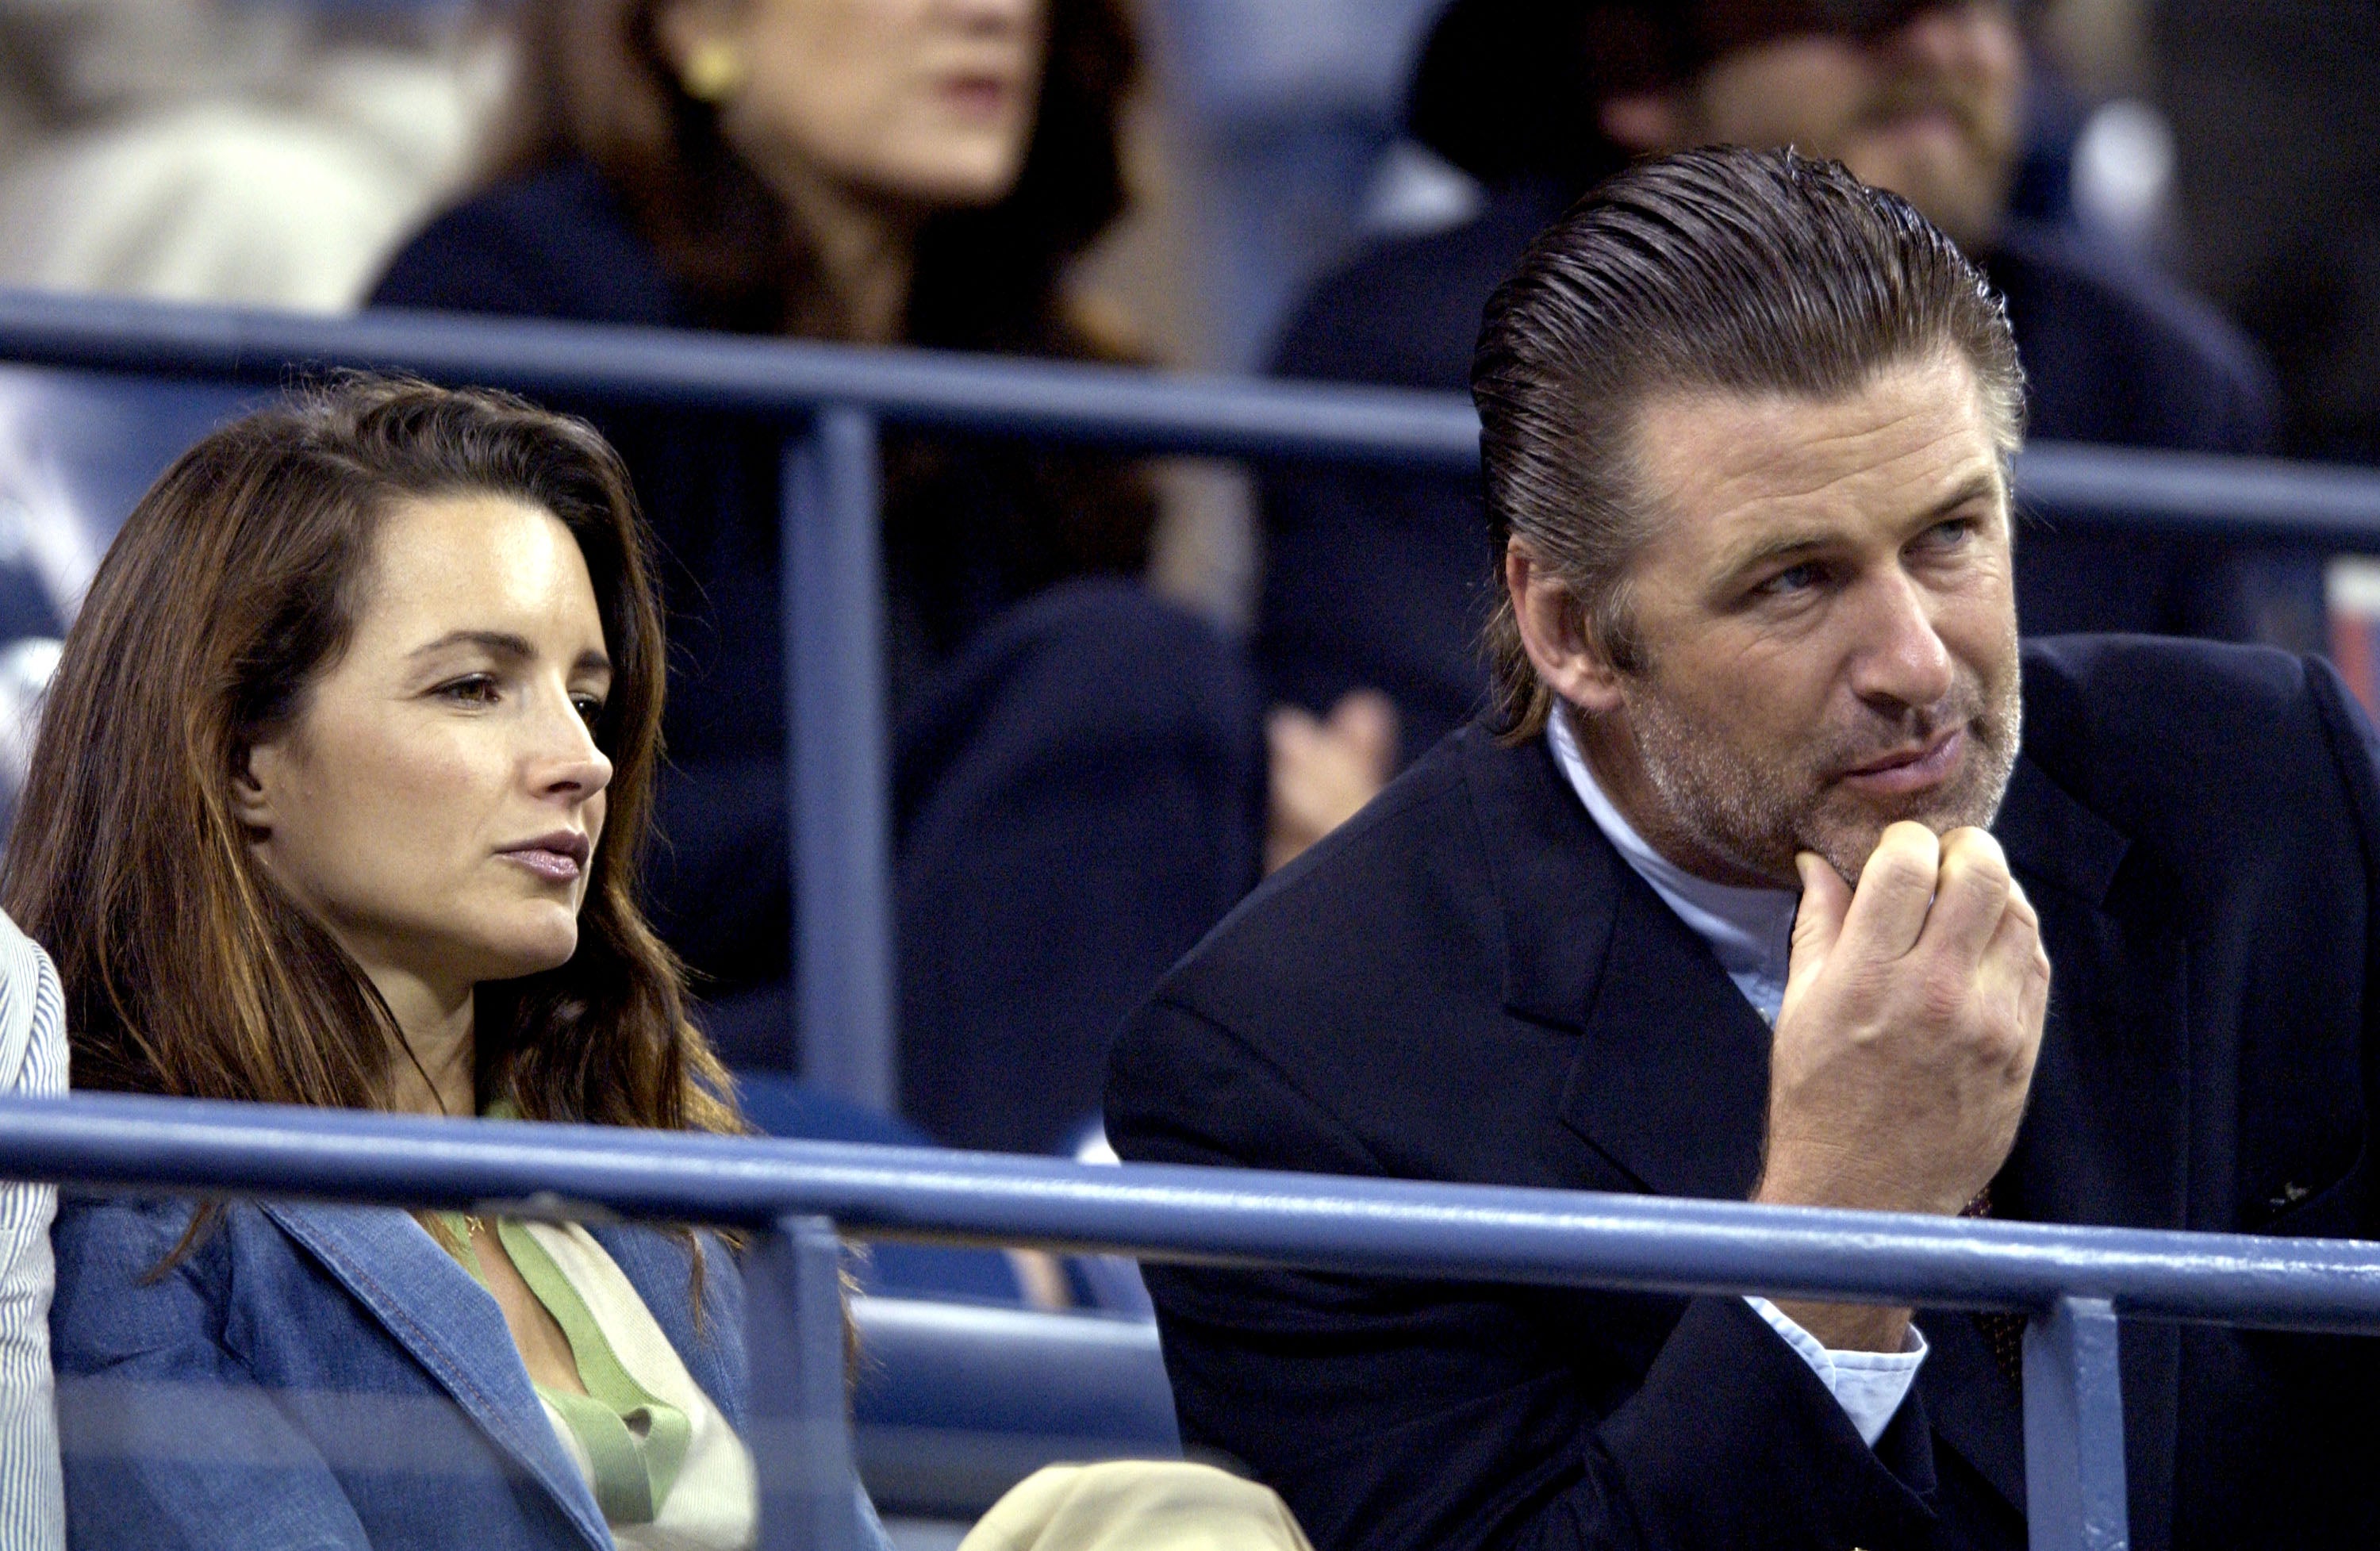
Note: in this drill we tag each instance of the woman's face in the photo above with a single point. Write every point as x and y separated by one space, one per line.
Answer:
437 800
927 102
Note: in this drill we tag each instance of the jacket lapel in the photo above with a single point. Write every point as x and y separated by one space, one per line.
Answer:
1671 1081
2106 1138
453 1328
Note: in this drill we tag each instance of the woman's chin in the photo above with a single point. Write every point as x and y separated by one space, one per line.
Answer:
531 950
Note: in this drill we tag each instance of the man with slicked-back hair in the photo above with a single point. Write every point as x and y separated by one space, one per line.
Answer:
1778 871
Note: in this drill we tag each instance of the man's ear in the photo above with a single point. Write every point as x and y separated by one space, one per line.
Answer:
1554 633
1644 121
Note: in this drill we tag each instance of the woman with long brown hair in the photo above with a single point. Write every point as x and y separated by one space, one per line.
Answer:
339 800
1081 772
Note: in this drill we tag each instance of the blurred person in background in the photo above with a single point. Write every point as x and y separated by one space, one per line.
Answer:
1080 771
1383 581
2276 115
231 151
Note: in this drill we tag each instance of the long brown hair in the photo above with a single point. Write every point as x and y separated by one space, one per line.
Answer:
233 584
595 84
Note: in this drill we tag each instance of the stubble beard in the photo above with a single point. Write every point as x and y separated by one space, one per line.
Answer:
1759 814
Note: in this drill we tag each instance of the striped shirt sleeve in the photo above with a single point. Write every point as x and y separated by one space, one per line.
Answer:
32 1060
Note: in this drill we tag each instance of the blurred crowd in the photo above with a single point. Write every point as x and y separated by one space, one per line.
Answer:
1121 691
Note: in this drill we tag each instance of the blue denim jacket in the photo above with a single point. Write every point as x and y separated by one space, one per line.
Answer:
327 1376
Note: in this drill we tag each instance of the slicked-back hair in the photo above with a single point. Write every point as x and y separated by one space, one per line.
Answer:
234 586
1753 273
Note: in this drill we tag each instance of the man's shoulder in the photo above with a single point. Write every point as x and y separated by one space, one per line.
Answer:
2209 746
553 241
1407 867
1405 312
1351 1014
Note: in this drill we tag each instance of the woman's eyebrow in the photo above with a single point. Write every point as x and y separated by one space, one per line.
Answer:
497 643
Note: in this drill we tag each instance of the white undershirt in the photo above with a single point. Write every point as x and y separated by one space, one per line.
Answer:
1751 932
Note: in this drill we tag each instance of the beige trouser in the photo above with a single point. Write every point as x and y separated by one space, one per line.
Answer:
1134 1505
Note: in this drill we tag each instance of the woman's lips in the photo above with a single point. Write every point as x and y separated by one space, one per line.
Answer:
980 97
555 865
559 857
1915 771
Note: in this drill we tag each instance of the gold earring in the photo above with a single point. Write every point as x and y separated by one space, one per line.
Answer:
714 72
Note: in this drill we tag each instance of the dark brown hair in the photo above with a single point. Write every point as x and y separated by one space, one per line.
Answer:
595 84
1511 88
233 584
1744 272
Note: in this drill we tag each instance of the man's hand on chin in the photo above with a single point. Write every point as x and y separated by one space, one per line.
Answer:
1905 1046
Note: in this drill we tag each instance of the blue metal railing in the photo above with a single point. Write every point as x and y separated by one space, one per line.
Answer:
2075 1283
834 399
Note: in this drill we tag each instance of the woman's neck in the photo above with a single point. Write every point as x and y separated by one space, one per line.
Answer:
442 1075
867 252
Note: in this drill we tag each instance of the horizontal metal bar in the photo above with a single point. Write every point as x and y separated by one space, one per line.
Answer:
2223 497
1380 1226
1147 410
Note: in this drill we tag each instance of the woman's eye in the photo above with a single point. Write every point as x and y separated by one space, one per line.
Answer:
591 709
477 689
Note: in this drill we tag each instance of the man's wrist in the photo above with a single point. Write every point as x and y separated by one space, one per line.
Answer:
1851 1326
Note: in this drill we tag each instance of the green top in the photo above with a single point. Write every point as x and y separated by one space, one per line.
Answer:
634 1441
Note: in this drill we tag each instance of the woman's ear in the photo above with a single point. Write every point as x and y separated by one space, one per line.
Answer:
1554 633
253 772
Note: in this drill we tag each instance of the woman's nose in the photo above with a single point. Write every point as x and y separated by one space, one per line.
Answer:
566 760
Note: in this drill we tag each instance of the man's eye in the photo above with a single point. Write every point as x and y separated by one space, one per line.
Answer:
1799 579
473 689
1951 534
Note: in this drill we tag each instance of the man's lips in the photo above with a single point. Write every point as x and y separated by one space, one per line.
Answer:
1912 769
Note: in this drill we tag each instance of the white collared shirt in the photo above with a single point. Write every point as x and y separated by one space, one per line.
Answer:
1750 933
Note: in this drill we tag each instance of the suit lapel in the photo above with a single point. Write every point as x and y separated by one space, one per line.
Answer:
2105 1137
453 1328
1670 1085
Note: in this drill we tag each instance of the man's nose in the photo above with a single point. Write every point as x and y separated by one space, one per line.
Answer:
1901 659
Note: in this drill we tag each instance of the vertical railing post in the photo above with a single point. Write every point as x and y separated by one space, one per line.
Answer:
800 1428
2074 1429
839 768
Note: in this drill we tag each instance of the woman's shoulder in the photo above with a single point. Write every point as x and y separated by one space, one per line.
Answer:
553 241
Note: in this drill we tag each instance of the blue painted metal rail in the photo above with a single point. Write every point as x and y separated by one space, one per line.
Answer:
834 399
2076 1283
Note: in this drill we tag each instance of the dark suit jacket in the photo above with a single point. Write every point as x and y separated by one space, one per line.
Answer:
1468 984
1384 579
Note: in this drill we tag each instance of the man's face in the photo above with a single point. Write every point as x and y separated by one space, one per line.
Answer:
1928 109
1826 621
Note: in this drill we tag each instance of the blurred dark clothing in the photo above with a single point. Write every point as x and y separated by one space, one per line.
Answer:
1385 578
975 529
2275 112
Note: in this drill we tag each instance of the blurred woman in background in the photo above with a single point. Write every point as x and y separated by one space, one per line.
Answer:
1080 768
339 801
